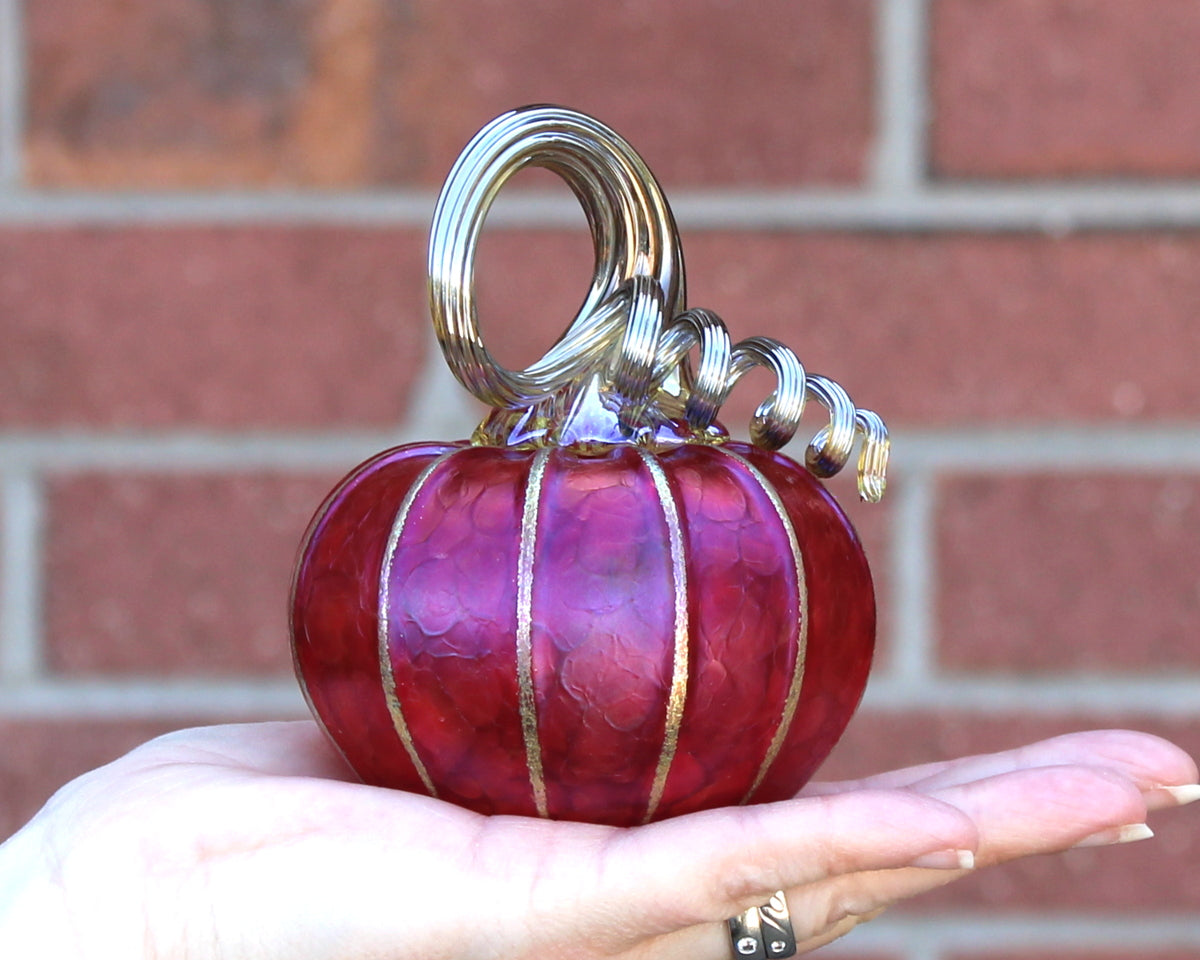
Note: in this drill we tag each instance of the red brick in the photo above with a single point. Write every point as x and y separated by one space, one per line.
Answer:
1063 572
1065 88
708 92
529 284
295 327
934 330
1080 880
184 575
225 327
39 756
350 92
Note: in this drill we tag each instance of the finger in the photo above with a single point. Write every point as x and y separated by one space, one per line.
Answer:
1151 762
295 748
837 930
1044 809
1018 813
708 866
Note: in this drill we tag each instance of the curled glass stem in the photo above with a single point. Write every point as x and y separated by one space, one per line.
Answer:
633 333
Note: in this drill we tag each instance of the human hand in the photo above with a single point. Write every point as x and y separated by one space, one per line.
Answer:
255 842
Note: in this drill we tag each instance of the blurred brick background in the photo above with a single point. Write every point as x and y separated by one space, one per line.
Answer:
981 216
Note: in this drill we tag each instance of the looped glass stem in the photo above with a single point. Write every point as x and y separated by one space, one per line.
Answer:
622 371
632 227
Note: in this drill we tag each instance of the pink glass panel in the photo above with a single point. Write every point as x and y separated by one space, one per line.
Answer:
742 610
452 626
603 626
841 602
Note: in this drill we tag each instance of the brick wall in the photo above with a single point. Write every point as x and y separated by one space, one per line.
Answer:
981 216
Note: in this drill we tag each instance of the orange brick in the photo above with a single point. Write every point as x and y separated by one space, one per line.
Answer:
184 93
199 92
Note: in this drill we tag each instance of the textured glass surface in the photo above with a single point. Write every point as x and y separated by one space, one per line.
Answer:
744 628
335 611
841 626
614 725
452 621
603 612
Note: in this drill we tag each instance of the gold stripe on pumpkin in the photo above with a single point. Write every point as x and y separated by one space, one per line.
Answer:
528 703
679 663
385 658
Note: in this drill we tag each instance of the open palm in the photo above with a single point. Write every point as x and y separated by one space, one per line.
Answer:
255 842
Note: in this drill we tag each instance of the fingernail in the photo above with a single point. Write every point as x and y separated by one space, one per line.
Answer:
1182 795
946 860
1126 834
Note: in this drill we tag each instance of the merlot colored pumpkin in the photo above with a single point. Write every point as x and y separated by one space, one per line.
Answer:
600 607
599 633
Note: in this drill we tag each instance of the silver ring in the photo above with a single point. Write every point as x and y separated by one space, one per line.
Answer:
764 933
777 927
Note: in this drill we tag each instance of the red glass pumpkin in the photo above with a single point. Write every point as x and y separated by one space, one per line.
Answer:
608 636
600 608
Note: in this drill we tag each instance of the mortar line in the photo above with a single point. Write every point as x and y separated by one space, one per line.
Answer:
1050 696
21 583
1034 207
12 94
1051 449
913 582
441 408
153 697
901 95
1057 694
977 934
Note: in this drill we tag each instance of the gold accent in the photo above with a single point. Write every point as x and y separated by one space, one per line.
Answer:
385 657
528 704
679 677
793 695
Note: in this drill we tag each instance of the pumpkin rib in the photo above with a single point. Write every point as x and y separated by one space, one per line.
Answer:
387 675
792 701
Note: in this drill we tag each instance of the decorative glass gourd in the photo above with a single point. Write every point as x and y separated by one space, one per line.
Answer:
600 607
